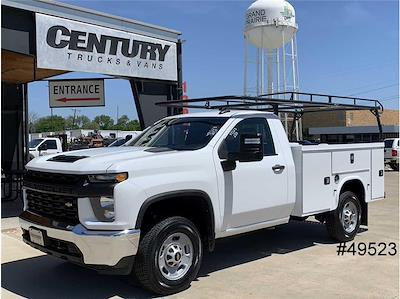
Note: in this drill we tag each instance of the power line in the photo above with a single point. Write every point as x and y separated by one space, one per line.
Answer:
356 69
392 97
355 89
374 89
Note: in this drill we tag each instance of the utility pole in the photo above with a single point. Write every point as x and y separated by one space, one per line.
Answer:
73 119
51 118
117 121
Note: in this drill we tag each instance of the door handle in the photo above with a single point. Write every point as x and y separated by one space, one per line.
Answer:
278 167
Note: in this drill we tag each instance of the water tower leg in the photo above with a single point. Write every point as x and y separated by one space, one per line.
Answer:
245 67
296 64
284 80
278 87
278 75
258 72
270 72
294 78
262 70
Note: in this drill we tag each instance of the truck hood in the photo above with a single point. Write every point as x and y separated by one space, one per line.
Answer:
98 160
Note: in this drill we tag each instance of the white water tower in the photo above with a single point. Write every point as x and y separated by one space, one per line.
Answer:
271 51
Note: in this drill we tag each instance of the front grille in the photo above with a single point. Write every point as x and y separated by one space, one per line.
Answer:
54 178
56 207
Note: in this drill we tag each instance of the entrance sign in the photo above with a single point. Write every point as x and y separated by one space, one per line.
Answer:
64 44
76 93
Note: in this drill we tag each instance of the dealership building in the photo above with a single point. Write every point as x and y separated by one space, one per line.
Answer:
41 39
350 126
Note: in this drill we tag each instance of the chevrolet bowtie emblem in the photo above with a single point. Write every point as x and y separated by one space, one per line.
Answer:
68 204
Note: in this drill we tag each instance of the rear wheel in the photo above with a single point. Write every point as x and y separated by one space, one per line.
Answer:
344 222
169 256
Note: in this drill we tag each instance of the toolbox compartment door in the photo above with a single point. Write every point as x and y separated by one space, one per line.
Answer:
317 182
377 174
351 161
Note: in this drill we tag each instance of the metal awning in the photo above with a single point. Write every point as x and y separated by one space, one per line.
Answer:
19 36
94 17
19 68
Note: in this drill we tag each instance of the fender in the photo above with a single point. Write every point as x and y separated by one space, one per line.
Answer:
363 203
179 194
344 181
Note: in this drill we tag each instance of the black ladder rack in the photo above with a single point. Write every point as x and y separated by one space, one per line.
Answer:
296 103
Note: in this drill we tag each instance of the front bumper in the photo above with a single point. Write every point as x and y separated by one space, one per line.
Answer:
95 249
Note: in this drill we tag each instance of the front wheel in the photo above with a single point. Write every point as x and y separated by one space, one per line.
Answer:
343 223
169 256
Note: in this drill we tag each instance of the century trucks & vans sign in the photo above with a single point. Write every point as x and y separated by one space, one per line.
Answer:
76 93
64 44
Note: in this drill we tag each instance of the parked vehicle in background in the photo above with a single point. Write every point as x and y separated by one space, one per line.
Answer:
392 154
44 146
153 208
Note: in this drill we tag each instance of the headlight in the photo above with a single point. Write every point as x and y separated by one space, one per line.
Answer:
108 177
103 208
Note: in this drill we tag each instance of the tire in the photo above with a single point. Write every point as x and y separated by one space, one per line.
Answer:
344 231
394 166
161 247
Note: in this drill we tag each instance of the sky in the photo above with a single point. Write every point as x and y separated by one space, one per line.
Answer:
344 48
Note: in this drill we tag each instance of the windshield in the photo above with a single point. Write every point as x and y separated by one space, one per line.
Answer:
389 143
118 142
189 133
35 142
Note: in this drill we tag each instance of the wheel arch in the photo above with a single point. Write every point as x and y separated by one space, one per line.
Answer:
356 186
198 198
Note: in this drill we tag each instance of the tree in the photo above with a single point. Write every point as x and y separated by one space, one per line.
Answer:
122 123
105 122
82 120
49 124
133 125
78 123
91 125
70 123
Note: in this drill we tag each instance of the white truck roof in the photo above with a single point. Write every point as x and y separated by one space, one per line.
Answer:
226 113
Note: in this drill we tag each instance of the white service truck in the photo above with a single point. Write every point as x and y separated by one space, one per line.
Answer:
44 146
153 208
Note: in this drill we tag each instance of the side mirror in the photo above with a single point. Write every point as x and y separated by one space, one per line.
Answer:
251 148
42 147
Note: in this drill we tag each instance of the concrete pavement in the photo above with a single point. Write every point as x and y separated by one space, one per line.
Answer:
295 260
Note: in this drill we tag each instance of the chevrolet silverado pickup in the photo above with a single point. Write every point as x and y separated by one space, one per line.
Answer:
152 209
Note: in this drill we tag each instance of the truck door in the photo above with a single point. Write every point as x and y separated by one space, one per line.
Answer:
51 147
255 192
